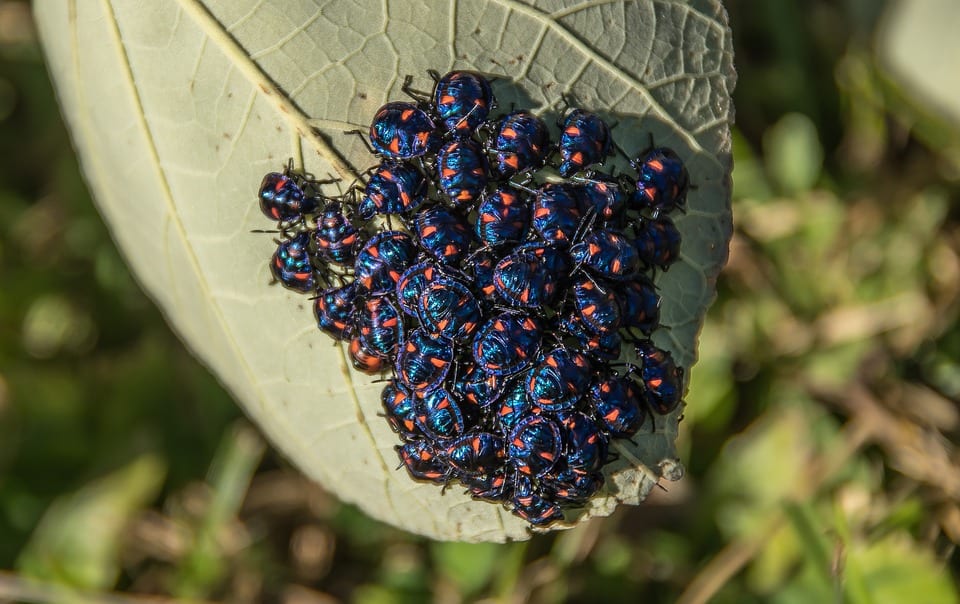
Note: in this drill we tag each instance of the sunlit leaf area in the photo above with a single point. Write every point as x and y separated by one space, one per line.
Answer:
821 420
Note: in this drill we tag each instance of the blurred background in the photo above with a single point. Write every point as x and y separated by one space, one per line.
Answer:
819 436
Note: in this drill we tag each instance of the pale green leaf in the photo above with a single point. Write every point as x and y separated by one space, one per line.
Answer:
178 107
77 543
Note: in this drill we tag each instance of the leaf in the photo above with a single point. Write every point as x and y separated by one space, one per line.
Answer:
178 107
77 543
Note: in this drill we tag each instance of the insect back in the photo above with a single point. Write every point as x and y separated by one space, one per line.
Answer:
463 100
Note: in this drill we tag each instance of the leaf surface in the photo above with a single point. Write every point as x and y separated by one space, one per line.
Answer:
178 107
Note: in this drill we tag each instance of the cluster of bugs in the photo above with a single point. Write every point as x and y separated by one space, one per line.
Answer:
495 274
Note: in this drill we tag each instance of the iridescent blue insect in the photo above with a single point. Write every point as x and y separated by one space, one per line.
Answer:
534 445
489 487
640 304
412 283
530 504
617 403
522 280
607 253
662 379
422 462
503 217
521 143
337 240
291 264
282 198
444 233
599 347
569 486
599 309
447 309
555 258
462 171
483 263
556 213
507 343
439 415
402 131
398 407
603 196
514 405
363 358
476 453
381 328
560 380
393 188
463 101
585 141
383 260
658 242
477 387
662 181
334 309
585 446
423 361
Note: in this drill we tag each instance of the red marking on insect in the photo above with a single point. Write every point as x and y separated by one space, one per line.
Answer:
394 145
572 131
507 133
406 114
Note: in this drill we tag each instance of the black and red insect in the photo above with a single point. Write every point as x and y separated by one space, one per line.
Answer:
462 172
383 260
283 199
291 264
336 238
381 326
398 407
423 361
662 181
402 131
662 379
478 453
507 343
463 100
534 445
617 402
422 462
585 140
560 380
503 217
520 144
658 242
444 233
335 311
393 188
530 504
